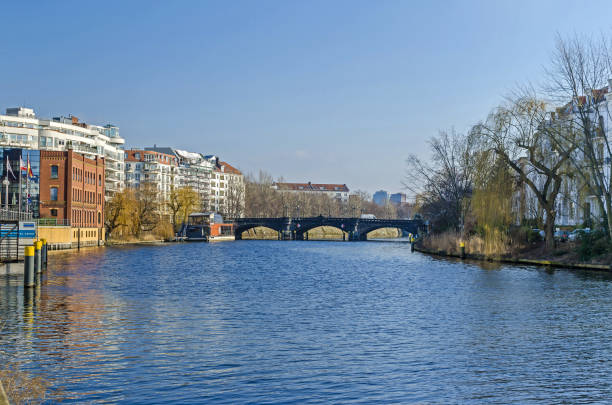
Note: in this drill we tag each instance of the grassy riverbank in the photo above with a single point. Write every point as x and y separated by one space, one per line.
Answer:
566 254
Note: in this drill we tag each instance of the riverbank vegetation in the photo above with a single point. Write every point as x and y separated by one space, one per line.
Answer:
21 387
18 386
540 152
138 214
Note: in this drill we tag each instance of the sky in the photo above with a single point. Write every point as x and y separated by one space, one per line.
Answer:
322 91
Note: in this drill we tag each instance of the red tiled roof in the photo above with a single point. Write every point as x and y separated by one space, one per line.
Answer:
312 187
130 156
227 168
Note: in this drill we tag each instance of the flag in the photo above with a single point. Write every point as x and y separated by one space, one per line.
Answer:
21 165
29 172
8 168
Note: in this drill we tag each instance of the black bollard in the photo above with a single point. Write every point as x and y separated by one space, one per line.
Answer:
28 266
37 262
462 247
411 247
44 253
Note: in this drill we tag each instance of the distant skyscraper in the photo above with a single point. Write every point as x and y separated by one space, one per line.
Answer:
381 197
398 198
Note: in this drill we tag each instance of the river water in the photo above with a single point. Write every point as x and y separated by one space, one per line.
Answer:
308 322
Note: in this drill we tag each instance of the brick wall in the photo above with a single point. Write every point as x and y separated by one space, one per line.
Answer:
80 188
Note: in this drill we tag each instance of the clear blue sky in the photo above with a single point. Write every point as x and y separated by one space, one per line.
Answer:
326 91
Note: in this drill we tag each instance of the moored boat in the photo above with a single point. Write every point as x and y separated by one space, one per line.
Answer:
208 227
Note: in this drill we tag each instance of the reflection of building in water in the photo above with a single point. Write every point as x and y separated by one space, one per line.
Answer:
67 325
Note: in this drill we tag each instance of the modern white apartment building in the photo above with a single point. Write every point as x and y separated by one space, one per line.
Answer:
195 171
227 189
156 168
20 128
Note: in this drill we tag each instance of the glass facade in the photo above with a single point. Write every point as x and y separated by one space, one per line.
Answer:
30 187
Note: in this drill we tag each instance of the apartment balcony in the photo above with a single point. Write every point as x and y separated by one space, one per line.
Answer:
116 167
114 176
152 168
83 149
7 142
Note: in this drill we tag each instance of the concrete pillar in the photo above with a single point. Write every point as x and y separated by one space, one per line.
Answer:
28 266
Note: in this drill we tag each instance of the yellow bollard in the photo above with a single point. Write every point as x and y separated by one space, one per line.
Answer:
28 266
462 247
43 253
37 262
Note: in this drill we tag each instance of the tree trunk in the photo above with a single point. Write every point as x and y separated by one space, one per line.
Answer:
550 229
608 215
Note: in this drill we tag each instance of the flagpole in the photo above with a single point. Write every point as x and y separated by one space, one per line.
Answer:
6 183
6 186
28 185
20 161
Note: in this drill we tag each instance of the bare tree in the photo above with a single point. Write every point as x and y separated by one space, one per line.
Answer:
444 183
580 71
146 214
525 137
234 197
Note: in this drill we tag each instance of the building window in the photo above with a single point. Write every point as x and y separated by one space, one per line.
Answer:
53 193
54 212
54 172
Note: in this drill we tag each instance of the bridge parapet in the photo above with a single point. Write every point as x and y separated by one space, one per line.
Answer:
296 228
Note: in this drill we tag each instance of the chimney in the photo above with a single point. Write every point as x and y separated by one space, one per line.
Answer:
75 120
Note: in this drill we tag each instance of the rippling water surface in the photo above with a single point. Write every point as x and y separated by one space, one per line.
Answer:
283 322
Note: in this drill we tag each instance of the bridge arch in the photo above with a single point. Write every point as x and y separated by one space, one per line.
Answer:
365 230
306 232
265 232
240 229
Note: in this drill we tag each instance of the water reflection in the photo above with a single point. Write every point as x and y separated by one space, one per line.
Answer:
299 321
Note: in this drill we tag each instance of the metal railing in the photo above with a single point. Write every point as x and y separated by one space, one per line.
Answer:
53 222
11 215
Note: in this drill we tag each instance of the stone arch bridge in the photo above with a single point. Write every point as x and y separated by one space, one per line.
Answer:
296 228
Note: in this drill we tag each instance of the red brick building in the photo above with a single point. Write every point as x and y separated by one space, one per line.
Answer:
72 188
